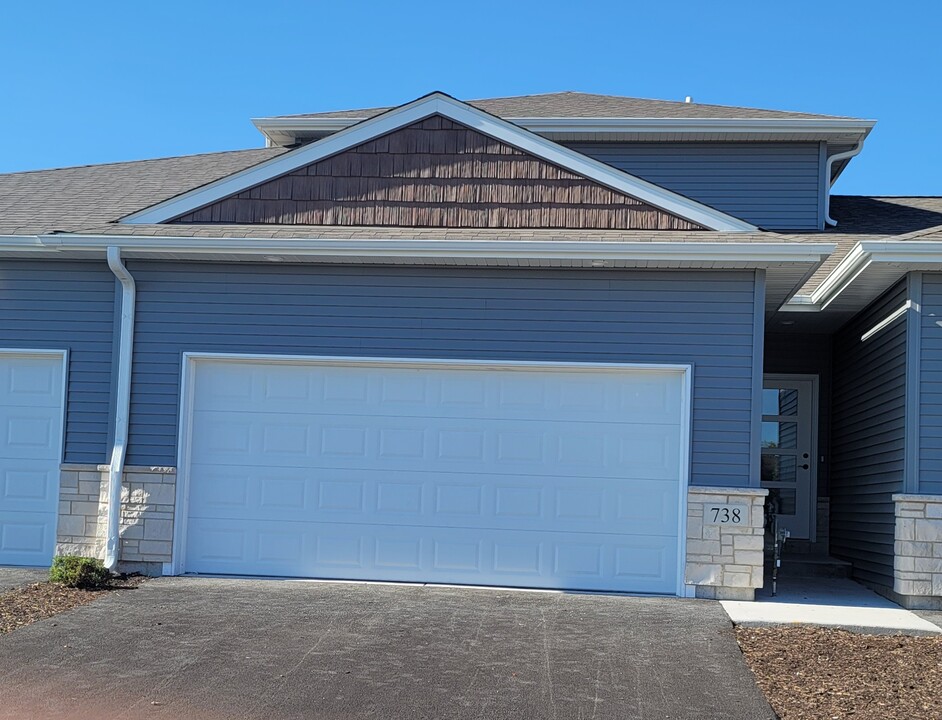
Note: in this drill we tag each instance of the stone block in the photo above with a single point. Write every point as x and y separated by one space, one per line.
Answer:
160 493
902 563
905 529
927 565
68 480
703 574
156 547
739 580
937 585
929 530
84 508
703 547
934 510
158 529
758 577
749 557
707 592
133 531
913 549
711 532
748 542
71 525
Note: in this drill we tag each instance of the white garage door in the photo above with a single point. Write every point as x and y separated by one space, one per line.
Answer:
525 476
31 396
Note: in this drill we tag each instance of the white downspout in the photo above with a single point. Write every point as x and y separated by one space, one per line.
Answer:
853 152
122 404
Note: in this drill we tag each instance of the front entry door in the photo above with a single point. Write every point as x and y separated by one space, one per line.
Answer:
788 469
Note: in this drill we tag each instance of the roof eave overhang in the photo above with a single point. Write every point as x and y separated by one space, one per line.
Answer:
287 130
868 269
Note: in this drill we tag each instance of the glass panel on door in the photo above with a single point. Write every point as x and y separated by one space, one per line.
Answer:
787 445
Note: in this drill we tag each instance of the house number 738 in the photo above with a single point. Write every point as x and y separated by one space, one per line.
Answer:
732 514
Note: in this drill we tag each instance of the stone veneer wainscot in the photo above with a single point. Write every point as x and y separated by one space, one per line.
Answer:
917 557
147 507
725 562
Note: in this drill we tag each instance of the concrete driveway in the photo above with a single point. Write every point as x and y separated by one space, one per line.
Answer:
210 649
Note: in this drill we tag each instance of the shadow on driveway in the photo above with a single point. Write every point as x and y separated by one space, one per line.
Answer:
209 649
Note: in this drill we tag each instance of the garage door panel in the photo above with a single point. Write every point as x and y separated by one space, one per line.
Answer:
432 392
445 555
466 500
533 477
24 487
30 382
31 415
640 451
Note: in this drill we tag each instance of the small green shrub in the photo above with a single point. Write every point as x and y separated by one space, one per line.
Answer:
76 571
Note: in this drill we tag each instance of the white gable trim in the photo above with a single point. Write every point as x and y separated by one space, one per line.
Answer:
438 103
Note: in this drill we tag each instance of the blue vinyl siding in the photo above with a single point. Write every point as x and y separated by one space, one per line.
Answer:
773 185
705 318
868 436
930 386
53 305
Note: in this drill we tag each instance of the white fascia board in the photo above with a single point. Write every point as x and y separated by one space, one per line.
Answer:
737 254
438 103
735 126
906 254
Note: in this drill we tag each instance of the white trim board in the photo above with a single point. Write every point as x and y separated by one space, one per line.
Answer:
441 104
190 359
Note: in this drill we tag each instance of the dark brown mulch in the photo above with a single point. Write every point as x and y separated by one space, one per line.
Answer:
833 674
27 604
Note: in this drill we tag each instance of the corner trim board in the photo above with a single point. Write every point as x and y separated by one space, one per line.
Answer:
913 412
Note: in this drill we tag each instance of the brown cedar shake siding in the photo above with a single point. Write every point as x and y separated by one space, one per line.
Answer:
437 173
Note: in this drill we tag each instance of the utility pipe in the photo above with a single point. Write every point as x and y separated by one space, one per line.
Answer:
122 405
853 152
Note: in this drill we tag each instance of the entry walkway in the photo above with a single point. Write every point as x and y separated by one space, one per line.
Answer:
832 602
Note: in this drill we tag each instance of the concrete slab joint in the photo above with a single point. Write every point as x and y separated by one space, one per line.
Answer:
725 558
917 556
147 508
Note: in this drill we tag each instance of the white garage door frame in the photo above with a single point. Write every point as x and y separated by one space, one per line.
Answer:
187 385
63 357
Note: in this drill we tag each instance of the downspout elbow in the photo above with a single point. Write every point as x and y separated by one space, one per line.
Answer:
122 405
853 152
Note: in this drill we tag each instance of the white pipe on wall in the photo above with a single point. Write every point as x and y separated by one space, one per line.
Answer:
853 152
122 405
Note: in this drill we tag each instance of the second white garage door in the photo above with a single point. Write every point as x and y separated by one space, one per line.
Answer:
530 476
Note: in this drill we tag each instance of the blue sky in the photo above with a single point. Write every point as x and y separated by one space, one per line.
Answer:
109 81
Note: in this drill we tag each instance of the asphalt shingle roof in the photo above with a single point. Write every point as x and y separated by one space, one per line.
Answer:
90 200
589 105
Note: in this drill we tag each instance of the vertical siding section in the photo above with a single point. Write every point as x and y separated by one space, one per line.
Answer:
868 437
930 386
46 305
704 318
772 185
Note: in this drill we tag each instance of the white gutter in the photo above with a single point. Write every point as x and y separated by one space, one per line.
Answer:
853 152
122 404
271 126
746 254
903 255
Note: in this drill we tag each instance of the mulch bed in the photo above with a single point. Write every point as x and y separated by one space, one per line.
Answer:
817 673
27 604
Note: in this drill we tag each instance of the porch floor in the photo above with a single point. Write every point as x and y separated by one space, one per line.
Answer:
832 602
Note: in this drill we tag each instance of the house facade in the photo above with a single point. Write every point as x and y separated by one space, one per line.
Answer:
562 341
